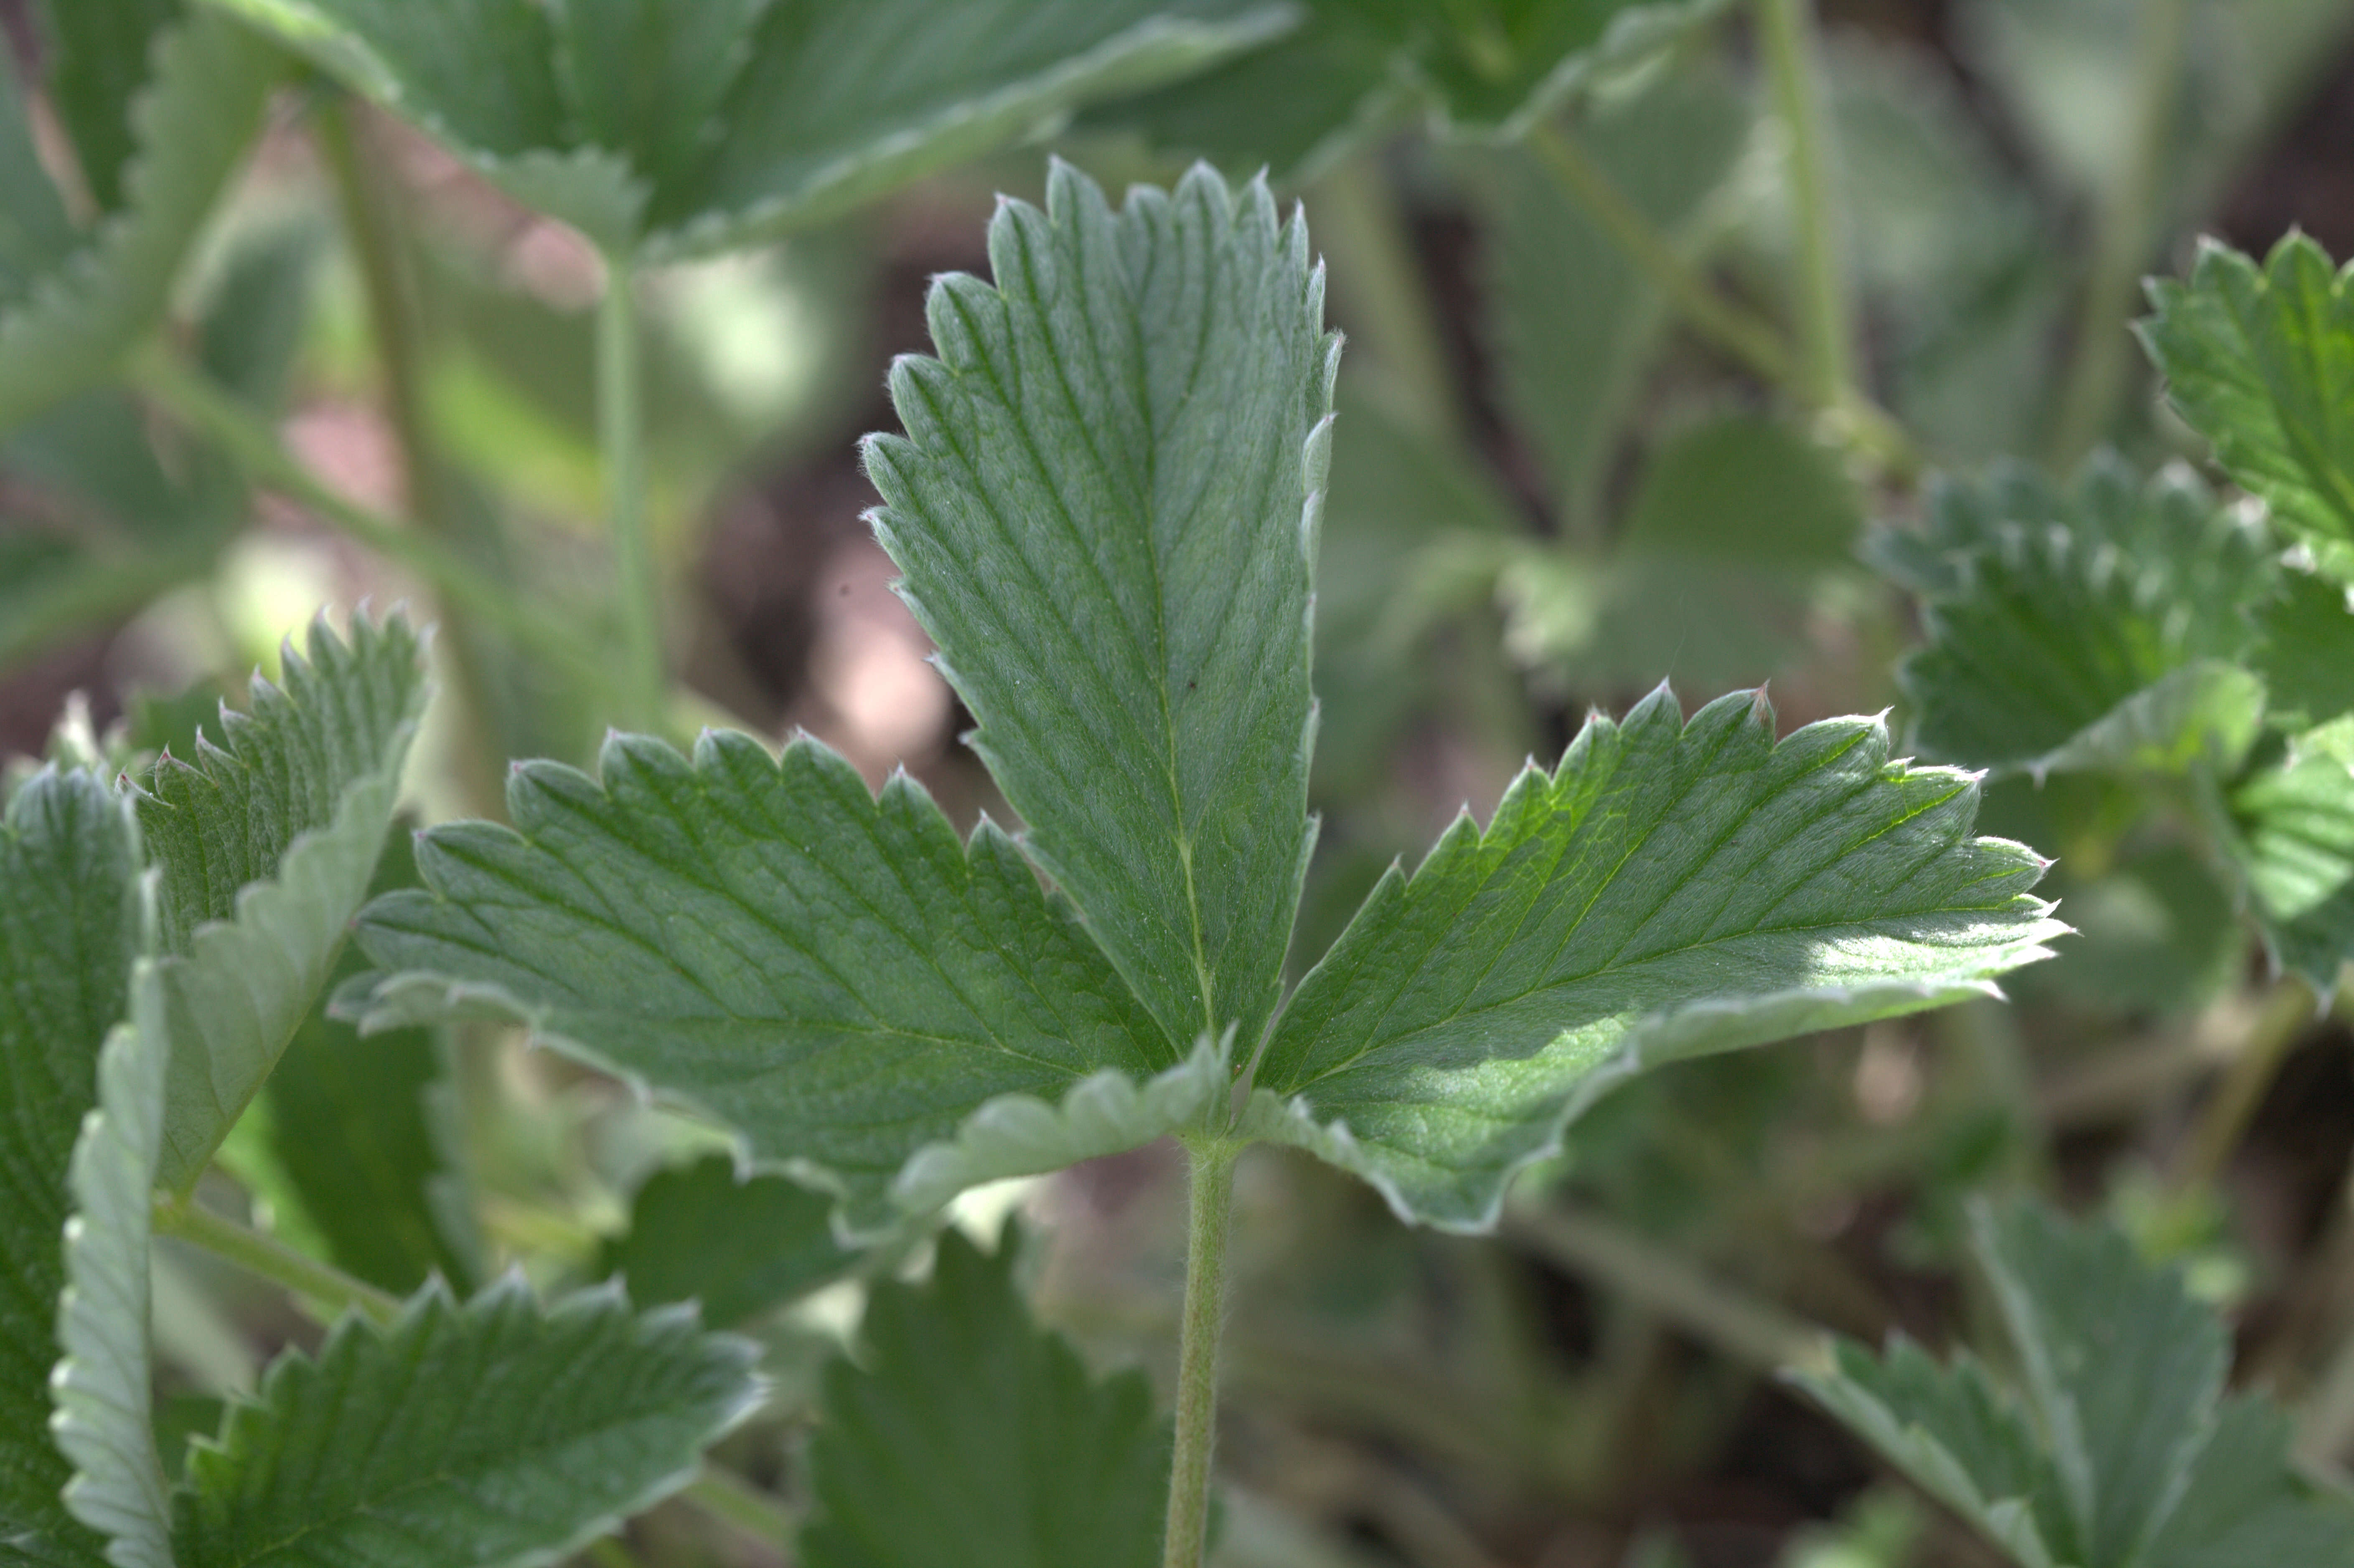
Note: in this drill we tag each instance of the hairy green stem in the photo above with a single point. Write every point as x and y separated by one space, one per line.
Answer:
2287 1015
372 229
1746 1328
1210 1190
1825 308
193 400
1854 419
270 1258
621 440
2122 232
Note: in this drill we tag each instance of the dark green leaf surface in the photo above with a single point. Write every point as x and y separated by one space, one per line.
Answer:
1106 507
266 849
2294 843
2106 629
496 1433
70 931
669 130
972 1438
191 123
1672 889
2259 360
2307 657
833 975
739 1245
2245 1504
98 66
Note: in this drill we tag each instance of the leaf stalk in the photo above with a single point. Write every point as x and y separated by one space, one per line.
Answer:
1825 298
621 440
270 1259
1210 1190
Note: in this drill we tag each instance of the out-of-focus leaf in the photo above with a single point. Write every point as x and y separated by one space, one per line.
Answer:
69 330
973 1436
252 319
667 139
1571 320
1488 69
35 233
2259 360
266 849
496 1433
69 935
2111 637
739 1245
2293 838
1745 491
1672 890
99 63
2306 658
2156 933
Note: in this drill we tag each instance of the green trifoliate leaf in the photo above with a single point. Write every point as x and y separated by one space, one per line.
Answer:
2119 1450
493 1434
2259 360
1106 507
266 849
102 1387
1574 321
1488 69
831 974
1671 890
666 130
2107 631
2293 838
68 328
69 935
739 1245
972 1438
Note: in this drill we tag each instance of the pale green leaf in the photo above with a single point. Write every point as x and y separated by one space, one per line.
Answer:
1105 505
103 1388
2293 837
2259 360
2306 658
739 1245
70 934
2244 1503
267 849
668 136
972 1438
1574 322
2121 1367
97 64
493 1435
1671 890
831 974
70 330
1956 1437
2107 629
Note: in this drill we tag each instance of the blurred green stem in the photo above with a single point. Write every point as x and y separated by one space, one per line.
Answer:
621 440
373 229
1210 1192
1748 1329
1852 418
193 399
1374 270
270 1258
608 1551
2124 232
2287 1012
1825 302
728 1497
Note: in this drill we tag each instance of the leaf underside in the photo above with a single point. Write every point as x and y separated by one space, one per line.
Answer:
739 1245
1104 508
266 847
972 1438
1672 889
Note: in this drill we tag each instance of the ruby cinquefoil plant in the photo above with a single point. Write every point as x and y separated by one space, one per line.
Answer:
1105 505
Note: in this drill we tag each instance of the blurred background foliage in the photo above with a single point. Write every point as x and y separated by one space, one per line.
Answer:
1548 494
